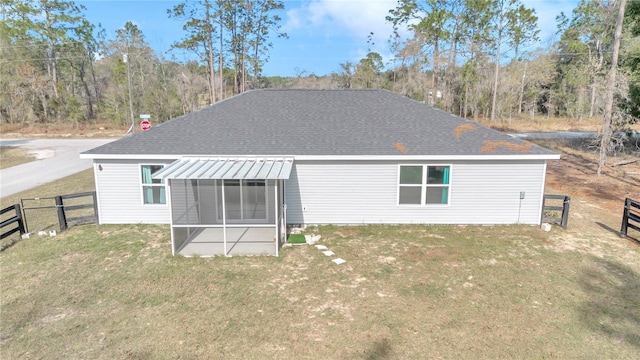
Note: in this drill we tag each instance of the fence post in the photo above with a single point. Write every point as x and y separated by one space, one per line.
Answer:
95 206
20 219
62 220
565 212
625 216
24 219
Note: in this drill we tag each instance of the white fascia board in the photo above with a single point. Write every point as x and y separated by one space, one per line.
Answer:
329 157
128 157
185 157
427 157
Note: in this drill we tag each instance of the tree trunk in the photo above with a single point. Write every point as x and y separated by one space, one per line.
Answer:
594 78
434 75
608 110
53 65
220 70
524 76
466 96
87 91
495 79
244 60
212 73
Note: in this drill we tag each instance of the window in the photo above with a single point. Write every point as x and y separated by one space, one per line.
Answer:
153 190
423 185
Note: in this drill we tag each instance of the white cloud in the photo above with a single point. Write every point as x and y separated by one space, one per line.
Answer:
346 24
355 19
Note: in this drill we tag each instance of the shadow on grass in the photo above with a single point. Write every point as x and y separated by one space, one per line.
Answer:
609 229
9 241
380 350
630 234
613 292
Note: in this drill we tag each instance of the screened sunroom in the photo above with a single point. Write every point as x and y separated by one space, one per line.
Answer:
227 206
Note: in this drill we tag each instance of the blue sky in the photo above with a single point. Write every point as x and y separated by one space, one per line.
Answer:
322 33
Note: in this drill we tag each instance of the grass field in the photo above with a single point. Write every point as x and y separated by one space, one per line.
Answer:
105 292
12 156
47 219
405 292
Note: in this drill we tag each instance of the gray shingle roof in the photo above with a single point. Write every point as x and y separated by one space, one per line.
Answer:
319 122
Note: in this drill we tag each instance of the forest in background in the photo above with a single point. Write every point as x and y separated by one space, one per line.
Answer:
472 58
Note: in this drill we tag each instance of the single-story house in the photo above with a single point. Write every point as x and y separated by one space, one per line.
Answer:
229 178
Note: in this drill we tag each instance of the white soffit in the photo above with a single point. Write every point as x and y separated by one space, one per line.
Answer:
227 169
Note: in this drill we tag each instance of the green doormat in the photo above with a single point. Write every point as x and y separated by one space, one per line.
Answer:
297 239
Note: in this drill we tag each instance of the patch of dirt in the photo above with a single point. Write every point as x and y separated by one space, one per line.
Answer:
596 206
545 124
40 154
575 175
62 131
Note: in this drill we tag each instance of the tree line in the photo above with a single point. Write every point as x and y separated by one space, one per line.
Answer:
57 67
473 58
477 59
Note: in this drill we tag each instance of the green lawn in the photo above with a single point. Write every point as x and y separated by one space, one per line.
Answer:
405 292
296 239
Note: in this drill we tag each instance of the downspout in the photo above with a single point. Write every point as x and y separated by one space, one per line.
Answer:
542 188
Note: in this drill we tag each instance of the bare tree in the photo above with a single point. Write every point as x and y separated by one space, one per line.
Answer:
608 111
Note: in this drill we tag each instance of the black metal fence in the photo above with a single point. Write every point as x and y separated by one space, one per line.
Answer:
16 219
47 213
550 212
630 216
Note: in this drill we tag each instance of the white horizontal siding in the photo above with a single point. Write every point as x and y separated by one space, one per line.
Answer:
355 192
484 192
119 192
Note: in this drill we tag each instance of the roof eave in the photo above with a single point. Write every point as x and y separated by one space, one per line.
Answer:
481 157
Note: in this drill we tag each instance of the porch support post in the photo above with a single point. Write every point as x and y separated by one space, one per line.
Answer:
224 220
276 184
168 199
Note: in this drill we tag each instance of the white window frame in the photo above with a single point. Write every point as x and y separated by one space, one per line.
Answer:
424 185
143 185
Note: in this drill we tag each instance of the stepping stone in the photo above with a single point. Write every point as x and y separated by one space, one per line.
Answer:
321 247
312 239
328 253
339 261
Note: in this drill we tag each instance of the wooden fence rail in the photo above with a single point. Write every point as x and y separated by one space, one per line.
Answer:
630 216
65 210
17 219
548 210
